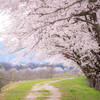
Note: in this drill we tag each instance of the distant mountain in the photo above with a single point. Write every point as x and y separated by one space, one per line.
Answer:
36 65
22 65
6 65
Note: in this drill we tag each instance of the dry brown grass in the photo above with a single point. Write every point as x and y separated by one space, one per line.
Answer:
9 88
3 95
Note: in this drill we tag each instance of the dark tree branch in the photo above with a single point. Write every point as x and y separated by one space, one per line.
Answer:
62 19
56 9
88 12
89 22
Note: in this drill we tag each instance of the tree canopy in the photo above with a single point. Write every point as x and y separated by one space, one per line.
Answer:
67 28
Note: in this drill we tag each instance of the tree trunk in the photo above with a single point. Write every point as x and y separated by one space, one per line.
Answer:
91 82
94 83
93 77
91 69
97 84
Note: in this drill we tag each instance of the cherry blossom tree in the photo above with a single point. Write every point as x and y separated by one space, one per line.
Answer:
68 29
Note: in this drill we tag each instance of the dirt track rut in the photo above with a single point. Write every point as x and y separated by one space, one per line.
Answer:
55 93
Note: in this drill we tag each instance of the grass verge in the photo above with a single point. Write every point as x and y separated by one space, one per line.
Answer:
77 89
17 91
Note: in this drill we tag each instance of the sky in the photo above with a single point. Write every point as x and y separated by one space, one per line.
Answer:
10 57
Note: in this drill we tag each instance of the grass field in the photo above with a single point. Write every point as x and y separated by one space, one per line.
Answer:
17 91
77 89
74 89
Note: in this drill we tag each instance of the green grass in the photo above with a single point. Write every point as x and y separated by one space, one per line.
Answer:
42 98
45 92
16 91
71 89
77 89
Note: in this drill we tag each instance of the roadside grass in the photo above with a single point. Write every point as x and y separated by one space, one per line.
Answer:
45 92
42 98
19 90
77 89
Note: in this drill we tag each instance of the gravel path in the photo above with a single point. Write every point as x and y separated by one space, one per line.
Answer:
55 93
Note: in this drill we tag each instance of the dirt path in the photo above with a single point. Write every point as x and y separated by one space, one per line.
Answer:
55 93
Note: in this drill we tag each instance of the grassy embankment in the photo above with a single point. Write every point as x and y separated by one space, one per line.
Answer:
74 89
17 91
77 89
